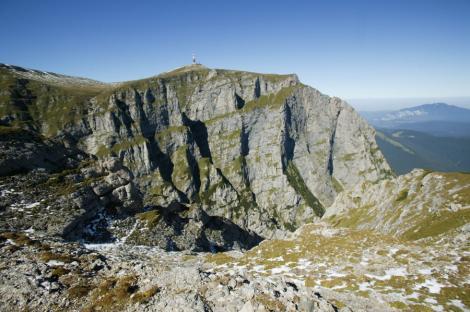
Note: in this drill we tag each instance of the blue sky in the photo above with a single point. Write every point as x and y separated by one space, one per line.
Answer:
351 49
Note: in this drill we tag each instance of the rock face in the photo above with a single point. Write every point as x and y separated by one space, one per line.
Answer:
263 151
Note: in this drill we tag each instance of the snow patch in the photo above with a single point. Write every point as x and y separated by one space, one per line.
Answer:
389 273
281 269
55 263
459 304
333 273
432 285
425 271
101 246
393 251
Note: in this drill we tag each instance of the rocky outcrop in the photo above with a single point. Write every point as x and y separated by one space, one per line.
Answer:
261 150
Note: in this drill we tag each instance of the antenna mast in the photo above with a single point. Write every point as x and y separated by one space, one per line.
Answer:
194 59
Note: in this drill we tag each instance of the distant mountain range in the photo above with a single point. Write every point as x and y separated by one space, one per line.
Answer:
408 149
432 136
438 119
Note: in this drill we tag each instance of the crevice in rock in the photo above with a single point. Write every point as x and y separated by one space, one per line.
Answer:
244 139
193 165
199 133
165 165
124 115
239 102
287 143
257 92
332 143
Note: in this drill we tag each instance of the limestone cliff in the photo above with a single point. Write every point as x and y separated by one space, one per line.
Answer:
261 150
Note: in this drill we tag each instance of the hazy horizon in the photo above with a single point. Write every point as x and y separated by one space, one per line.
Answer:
382 104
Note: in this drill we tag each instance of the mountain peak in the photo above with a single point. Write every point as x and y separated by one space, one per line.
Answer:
184 69
434 106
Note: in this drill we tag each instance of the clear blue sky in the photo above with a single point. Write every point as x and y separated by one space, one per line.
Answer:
351 49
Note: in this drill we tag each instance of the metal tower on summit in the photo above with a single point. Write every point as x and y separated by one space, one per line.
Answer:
194 59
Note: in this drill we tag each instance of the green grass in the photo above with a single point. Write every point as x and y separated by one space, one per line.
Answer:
337 185
123 145
438 223
273 100
348 157
181 169
297 182
402 195
150 217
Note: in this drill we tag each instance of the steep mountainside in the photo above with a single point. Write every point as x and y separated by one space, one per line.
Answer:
261 150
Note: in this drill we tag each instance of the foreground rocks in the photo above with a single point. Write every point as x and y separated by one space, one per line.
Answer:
52 276
320 268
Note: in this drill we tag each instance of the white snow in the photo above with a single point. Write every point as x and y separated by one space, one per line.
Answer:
425 271
101 246
430 300
432 285
55 263
365 286
364 261
280 269
452 268
303 263
413 295
343 285
459 304
21 206
397 271
258 268
333 273
393 251
389 273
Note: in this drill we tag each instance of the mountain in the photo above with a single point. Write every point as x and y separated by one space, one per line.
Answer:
436 119
408 149
204 189
225 141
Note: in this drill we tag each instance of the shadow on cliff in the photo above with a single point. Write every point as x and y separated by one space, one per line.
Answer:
180 227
